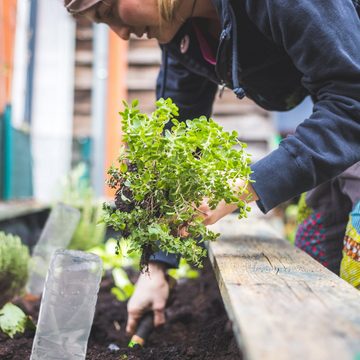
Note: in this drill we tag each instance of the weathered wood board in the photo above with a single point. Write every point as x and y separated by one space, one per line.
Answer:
282 303
10 210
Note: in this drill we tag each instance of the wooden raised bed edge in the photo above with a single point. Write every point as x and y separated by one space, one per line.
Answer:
283 304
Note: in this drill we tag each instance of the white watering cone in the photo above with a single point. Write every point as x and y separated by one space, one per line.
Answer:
67 306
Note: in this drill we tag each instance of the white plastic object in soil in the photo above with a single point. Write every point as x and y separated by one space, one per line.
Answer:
67 306
57 233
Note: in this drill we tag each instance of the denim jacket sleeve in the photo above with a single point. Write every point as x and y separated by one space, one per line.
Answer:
194 95
322 39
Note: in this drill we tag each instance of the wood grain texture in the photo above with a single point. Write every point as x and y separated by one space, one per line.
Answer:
283 304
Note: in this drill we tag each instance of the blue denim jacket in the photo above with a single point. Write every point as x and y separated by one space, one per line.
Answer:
276 52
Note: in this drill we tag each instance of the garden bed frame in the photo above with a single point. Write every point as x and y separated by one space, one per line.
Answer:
282 303
25 218
17 209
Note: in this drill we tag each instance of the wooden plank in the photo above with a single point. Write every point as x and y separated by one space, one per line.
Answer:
15 209
82 126
143 42
142 77
283 304
146 99
84 57
84 33
83 78
237 107
257 150
229 104
82 108
144 56
250 127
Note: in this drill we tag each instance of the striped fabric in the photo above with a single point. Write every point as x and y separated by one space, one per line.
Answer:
350 264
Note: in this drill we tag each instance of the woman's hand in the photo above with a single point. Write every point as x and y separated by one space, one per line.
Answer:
151 293
212 216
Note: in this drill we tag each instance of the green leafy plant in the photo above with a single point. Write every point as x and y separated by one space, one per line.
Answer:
78 193
164 173
14 259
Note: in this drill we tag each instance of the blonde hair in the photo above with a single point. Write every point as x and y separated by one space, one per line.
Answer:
168 8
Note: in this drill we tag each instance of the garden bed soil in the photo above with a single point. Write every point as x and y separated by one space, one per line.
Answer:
197 327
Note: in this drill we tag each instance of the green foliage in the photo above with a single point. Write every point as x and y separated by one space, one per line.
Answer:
169 173
114 256
123 288
184 271
13 320
89 231
290 222
14 259
304 211
115 261
78 193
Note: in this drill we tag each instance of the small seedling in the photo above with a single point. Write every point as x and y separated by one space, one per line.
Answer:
163 174
13 320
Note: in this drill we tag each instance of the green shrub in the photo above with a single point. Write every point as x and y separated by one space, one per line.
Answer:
163 176
14 259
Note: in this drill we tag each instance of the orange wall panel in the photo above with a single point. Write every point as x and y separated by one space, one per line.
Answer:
116 92
7 39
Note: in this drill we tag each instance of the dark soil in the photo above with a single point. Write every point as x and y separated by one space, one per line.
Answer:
197 327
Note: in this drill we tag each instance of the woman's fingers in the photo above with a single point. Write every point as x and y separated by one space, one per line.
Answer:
133 318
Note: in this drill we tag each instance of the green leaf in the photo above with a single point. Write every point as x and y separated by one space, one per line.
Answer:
120 278
123 167
119 294
135 103
13 320
123 287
